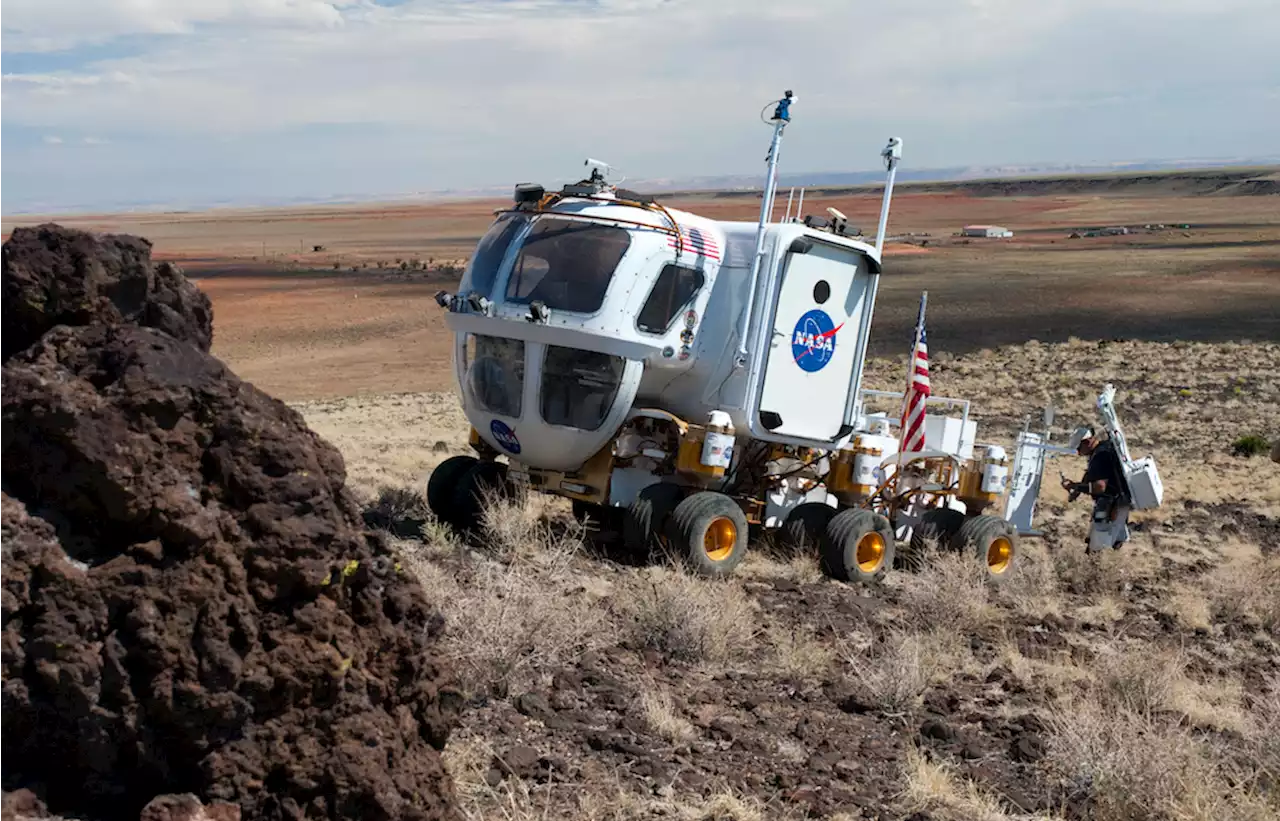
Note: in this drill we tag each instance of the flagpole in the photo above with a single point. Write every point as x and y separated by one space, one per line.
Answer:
911 367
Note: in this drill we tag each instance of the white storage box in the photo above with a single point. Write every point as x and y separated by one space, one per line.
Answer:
1145 487
945 433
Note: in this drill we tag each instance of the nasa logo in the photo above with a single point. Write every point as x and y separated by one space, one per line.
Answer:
505 435
813 342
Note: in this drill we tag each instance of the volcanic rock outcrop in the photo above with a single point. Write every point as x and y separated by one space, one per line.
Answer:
191 602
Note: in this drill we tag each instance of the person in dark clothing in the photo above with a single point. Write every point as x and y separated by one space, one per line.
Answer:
1104 481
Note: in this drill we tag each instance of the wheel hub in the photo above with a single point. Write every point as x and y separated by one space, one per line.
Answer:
999 554
721 539
870 552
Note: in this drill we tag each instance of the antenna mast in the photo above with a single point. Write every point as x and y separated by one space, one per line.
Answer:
781 116
892 154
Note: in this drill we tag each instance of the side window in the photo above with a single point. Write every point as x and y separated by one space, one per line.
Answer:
482 271
675 288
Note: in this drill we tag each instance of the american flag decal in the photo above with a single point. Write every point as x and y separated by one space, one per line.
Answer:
917 391
697 241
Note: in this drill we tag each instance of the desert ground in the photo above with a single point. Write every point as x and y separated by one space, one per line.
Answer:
1137 684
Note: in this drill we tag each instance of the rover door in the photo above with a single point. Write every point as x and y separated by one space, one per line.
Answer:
812 355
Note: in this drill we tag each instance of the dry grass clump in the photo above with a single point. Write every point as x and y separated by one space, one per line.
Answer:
762 564
798 654
687 618
662 715
894 675
1034 590
1190 607
1137 677
507 620
529 526
933 787
1146 680
1124 766
1261 749
608 798
400 510
1245 593
948 591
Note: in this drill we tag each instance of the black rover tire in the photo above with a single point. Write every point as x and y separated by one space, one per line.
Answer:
802 532
443 481
597 518
645 520
709 532
469 496
938 528
992 541
857 546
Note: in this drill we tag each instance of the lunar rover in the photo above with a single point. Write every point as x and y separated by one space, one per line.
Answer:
700 379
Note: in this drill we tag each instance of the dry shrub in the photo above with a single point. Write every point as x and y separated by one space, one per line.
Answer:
1098 574
1190 607
400 510
1049 674
1137 677
1125 766
1262 739
525 524
932 787
726 806
894 675
615 803
761 564
1033 590
798 654
948 591
686 617
663 718
506 621
1244 593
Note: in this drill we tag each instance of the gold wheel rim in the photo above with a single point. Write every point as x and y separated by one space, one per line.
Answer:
721 539
870 552
999 555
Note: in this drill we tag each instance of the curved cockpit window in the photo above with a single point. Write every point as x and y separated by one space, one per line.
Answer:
483 270
578 387
675 288
495 374
567 264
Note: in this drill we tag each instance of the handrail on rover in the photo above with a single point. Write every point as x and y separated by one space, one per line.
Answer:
550 199
945 401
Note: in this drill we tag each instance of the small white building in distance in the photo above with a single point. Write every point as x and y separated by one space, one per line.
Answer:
985 231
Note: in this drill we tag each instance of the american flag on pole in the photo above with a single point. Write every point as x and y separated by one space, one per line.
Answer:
917 390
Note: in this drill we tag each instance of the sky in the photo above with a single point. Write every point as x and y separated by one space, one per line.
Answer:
116 102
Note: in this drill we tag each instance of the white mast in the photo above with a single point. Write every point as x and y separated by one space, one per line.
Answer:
781 116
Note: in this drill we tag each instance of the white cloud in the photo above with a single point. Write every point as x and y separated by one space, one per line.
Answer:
46 25
51 139
456 92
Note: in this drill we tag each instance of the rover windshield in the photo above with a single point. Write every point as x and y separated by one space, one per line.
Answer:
495 373
567 264
579 387
483 270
